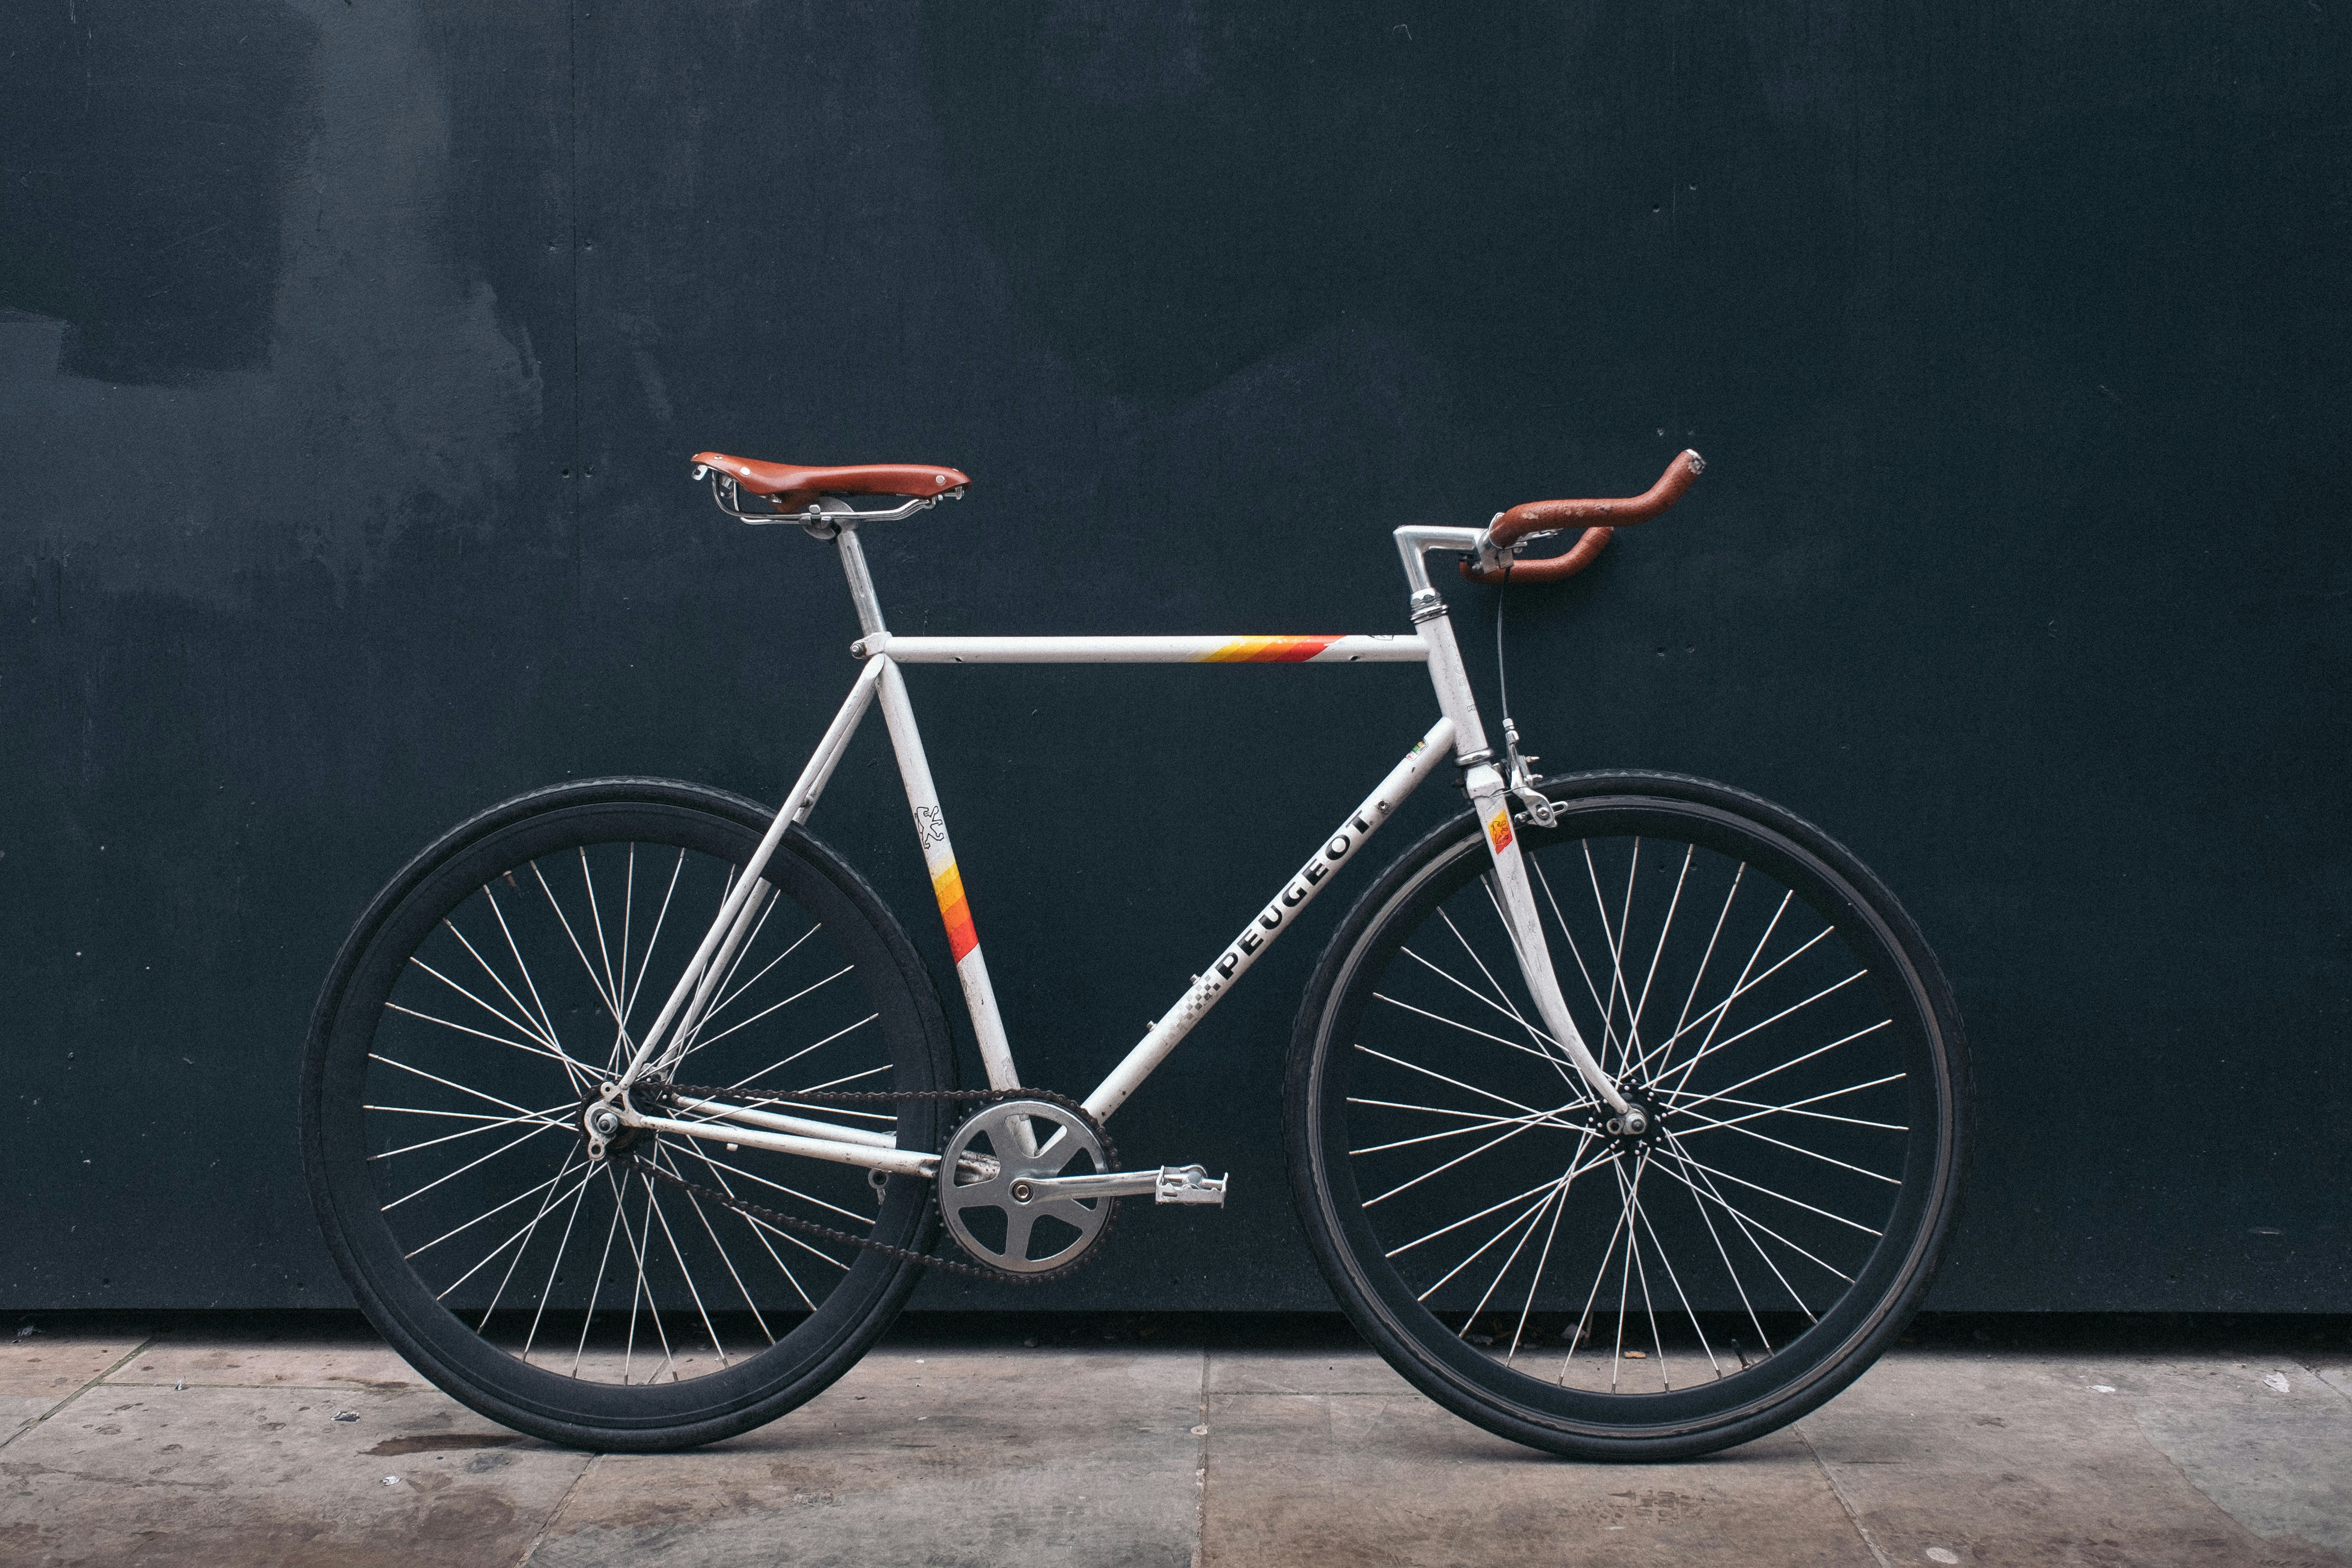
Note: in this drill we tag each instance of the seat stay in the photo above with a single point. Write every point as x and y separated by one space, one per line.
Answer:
729 925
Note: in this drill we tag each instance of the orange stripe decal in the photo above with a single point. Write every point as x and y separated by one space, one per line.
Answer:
954 913
1269 650
1499 831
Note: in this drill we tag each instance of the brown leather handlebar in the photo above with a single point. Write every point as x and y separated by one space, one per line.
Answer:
1599 519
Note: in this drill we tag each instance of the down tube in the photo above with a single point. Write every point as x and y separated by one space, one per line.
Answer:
1277 916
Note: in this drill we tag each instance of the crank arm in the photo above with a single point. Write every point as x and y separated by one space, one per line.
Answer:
1168 1185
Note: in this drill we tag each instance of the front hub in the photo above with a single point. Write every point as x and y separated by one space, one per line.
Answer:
1635 1129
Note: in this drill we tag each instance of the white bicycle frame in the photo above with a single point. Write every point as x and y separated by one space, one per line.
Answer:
1459 729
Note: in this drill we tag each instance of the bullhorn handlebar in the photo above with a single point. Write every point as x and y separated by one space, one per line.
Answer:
1599 519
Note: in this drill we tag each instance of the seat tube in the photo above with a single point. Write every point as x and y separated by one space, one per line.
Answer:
947 881
1490 801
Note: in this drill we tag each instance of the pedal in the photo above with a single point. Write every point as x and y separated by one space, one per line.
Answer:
1189 1184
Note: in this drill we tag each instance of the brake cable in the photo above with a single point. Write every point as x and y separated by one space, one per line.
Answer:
1518 780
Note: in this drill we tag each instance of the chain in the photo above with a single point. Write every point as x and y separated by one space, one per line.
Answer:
659 1092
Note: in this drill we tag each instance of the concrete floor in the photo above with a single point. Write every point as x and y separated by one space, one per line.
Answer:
227 1443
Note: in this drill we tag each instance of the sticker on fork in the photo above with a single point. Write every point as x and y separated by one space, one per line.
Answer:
1498 830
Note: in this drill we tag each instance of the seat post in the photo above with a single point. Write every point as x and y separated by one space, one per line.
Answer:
861 582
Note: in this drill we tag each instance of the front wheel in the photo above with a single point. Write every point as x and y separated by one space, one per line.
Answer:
473 1013
1745 980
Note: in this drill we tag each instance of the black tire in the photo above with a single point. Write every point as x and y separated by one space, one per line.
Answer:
510 934
1768 1266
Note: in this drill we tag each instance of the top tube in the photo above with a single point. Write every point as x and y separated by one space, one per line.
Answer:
1324 648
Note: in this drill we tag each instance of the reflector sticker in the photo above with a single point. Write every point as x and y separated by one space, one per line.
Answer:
954 913
1267 650
1498 832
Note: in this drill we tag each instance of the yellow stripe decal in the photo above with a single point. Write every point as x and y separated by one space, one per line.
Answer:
954 913
1269 650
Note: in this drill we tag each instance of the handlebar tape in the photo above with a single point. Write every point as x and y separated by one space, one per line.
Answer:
1600 519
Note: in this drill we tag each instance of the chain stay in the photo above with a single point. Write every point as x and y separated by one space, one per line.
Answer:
883 1097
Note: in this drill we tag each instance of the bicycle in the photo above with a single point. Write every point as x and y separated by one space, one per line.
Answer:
1624 1112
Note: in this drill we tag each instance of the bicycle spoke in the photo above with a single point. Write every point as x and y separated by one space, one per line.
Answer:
759 1233
545 1205
1768 1192
1728 1267
628 908
771 1008
1747 1221
1488 1117
845 1077
661 1157
1688 1311
1711 1125
1783 1066
1449 1164
1427 1072
1601 1274
1626 1279
1483 1125
444 1236
677 1256
1574 951
596 1286
547 1019
729 992
1518 1246
779 1066
1641 1271
484 1124
1501 1002
596 920
766 905
645 961
540 1032
1721 1010
1547 1188
554 1267
570 1065
641 1292
1466 1219
517 1024
718 1164
1535 1280
1616 940
1665 928
1797 1107
1708 1051
461 1089
1556 1064
509 1241
611 1002
1706 958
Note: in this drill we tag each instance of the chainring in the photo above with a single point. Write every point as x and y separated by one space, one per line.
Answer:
990 1167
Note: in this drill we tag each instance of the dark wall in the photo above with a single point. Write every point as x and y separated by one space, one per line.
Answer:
349 354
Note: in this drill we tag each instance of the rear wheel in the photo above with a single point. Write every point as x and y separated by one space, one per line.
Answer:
1768 1002
489 989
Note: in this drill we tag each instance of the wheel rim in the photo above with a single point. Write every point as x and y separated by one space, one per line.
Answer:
502 998
1744 993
